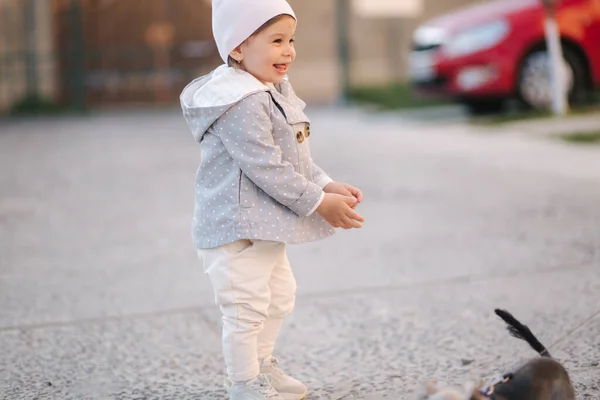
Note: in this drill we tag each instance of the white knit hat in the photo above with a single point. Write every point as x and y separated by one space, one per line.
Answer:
233 21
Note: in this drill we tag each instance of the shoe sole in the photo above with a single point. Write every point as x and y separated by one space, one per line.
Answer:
286 396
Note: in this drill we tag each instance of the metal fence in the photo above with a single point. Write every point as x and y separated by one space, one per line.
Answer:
82 53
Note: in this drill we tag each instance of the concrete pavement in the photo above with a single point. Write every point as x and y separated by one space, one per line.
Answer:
101 295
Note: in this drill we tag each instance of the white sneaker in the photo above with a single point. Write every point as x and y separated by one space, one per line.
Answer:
287 387
258 388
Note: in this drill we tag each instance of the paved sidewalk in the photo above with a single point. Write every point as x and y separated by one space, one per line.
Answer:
101 295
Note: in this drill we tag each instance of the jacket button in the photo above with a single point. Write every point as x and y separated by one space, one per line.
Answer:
300 137
307 130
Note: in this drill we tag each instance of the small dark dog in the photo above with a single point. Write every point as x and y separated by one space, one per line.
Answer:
541 378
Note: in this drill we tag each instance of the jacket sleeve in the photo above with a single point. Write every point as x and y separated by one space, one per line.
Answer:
246 132
320 177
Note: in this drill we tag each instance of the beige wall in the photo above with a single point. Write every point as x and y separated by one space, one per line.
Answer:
316 72
13 84
316 75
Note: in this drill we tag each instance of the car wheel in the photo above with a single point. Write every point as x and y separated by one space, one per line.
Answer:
535 82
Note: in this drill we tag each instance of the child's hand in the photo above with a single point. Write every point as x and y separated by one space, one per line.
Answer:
344 189
338 211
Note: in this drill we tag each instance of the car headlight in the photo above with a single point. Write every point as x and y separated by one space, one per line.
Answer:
475 39
426 36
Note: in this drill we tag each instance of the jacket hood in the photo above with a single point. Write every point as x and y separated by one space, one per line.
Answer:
205 99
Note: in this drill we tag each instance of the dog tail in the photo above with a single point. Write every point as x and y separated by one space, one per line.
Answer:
522 332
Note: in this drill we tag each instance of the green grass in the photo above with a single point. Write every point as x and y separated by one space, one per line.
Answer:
35 104
518 116
582 137
392 96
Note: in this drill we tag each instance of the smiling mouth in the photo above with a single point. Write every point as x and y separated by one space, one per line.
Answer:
282 68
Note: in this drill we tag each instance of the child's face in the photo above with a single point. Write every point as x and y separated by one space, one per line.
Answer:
269 54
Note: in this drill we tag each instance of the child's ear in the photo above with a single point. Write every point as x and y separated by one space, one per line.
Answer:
236 54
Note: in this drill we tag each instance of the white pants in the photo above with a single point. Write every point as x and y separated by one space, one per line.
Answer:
255 289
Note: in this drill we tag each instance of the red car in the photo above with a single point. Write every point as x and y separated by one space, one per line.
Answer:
488 53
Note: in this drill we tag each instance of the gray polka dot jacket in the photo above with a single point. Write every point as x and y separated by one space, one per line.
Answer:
256 178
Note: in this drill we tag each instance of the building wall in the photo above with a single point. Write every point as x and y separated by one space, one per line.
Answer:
121 64
378 47
13 49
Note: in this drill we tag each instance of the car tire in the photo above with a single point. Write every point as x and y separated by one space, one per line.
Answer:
533 86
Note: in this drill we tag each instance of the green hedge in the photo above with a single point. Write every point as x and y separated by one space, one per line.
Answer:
397 95
36 104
